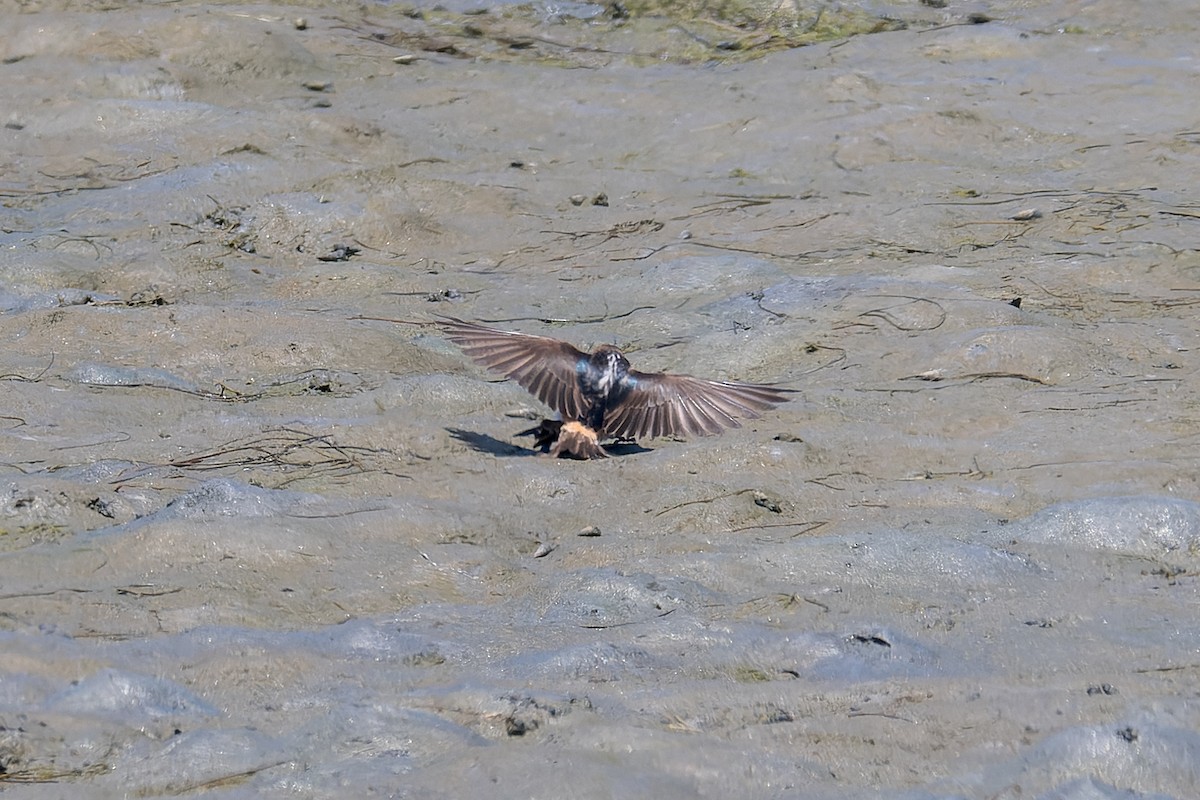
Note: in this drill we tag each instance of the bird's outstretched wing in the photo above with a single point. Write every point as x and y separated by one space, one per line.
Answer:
656 404
545 367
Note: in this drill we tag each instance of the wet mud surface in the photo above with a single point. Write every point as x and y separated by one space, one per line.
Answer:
265 533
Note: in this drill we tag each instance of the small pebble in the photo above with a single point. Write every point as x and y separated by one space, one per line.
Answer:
404 59
544 549
577 199
590 530
300 24
444 294
318 86
764 500
1027 214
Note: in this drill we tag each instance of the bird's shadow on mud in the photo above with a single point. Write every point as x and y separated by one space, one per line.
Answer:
489 444
626 449
484 443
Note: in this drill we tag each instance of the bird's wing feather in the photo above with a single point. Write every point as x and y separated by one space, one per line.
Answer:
544 367
679 405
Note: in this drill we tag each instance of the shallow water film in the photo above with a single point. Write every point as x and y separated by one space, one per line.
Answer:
264 532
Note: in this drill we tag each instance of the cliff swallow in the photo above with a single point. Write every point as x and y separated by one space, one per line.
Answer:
599 395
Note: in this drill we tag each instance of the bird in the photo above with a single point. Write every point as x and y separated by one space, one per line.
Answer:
599 395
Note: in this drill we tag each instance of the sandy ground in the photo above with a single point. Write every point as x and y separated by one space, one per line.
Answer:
264 533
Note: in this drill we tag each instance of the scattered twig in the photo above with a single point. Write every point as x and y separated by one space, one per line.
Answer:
808 526
882 313
606 626
147 590
853 474
117 438
283 449
13 376
879 714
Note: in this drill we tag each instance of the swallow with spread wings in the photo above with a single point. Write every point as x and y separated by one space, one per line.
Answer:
600 396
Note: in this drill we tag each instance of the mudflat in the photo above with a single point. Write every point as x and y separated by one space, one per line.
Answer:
264 532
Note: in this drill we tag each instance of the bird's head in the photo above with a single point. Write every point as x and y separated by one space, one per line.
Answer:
610 359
